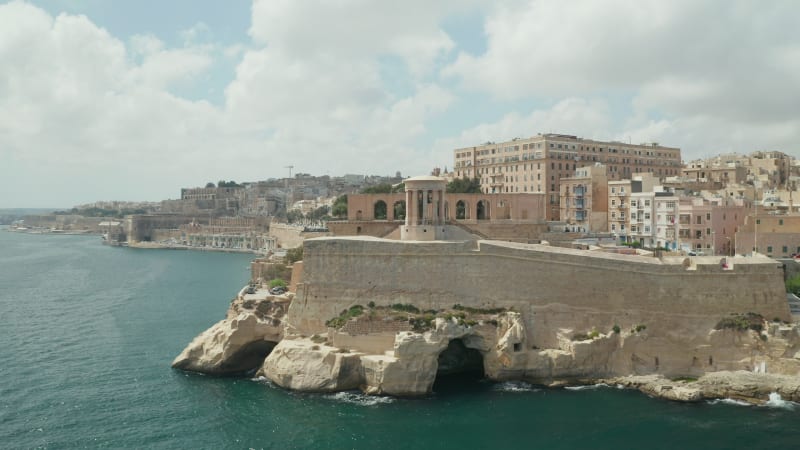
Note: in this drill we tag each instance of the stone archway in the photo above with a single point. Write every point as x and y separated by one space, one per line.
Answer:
379 210
462 210
399 209
482 210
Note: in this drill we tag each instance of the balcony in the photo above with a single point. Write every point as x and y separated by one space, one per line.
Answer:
578 202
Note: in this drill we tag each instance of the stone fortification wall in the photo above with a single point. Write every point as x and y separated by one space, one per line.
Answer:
553 288
363 228
291 236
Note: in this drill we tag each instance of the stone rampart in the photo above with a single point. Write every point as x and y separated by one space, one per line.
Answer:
291 236
553 288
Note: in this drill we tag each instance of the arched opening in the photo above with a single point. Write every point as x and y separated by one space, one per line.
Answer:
399 210
461 210
459 367
379 210
483 210
249 358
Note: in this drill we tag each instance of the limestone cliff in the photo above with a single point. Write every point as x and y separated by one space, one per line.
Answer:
238 343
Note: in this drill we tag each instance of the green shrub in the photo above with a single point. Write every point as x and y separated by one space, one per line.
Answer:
371 304
793 285
293 254
640 327
471 310
594 334
741 322
405 308
344 316
616 329
277 282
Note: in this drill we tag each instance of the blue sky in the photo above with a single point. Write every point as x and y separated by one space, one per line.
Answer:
132 100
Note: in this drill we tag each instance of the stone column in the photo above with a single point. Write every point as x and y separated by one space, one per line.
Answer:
409 209
441 218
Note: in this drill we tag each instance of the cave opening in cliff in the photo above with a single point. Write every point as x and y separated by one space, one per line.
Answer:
248 358
459 366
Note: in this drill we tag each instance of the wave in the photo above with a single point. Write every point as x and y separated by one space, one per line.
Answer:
586 387
357 398
775 401
729 401
515 386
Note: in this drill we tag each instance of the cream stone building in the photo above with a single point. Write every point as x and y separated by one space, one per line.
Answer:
584 200
539 163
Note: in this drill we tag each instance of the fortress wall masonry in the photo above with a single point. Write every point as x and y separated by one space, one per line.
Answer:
552 287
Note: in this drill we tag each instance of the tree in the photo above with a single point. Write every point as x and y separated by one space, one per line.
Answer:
223 183
793 285
294 216
339 208
293 255
384 188
210 185
318 213
464 186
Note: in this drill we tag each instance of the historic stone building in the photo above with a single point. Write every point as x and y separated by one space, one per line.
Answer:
539 163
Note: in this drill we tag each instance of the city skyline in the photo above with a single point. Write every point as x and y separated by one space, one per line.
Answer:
134 100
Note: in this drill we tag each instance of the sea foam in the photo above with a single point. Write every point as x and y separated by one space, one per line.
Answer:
587 387
515 386
357 398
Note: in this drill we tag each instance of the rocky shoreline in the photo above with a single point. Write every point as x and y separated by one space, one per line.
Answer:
255 337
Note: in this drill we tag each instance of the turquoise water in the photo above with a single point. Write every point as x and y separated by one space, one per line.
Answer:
87 334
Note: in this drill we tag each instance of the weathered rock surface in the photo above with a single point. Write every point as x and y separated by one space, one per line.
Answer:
303 365
240 342
737 385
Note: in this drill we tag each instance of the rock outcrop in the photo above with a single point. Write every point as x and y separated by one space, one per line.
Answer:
240 342
302 365
740 385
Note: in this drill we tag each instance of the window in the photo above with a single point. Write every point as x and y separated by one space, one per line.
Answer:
769 249
613 227
708 216
613 190
785 249
780 222
758 221
708 231
647 203
699 219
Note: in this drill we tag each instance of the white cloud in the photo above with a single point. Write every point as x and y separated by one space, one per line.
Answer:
704 70
79 104
588 118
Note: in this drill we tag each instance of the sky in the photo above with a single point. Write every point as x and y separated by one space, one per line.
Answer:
132 100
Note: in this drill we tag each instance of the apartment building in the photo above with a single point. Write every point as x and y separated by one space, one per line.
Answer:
584 200
624 208
709 225
539 163
775 235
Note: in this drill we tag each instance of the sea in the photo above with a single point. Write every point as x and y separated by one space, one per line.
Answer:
88 332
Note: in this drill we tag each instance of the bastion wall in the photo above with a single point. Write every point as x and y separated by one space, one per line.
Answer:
555 289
